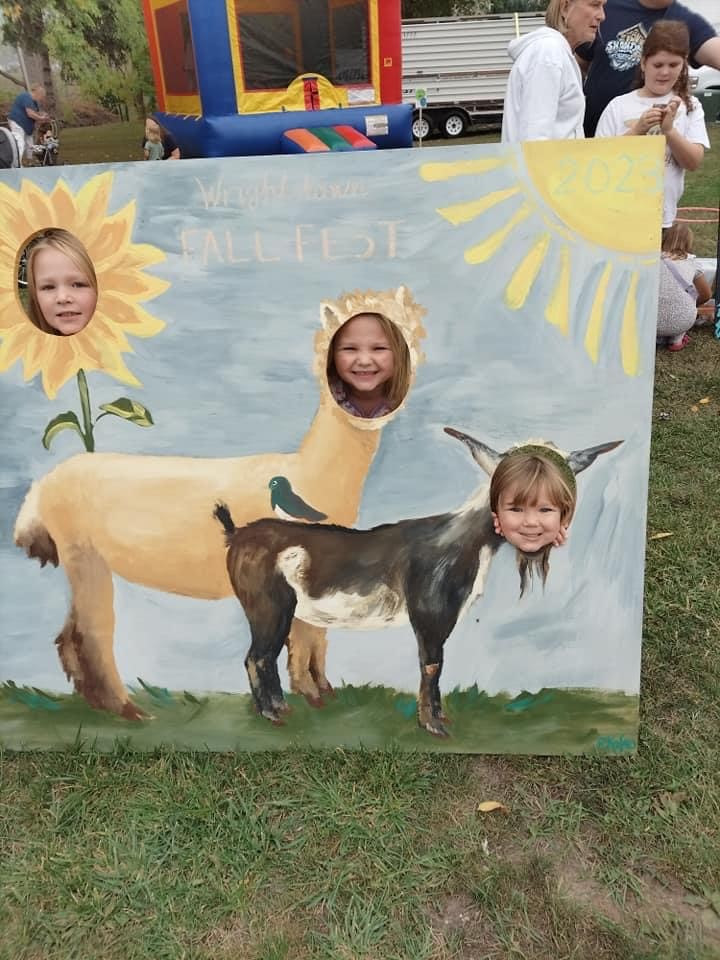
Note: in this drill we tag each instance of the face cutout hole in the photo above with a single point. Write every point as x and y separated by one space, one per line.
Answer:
57 286
368 366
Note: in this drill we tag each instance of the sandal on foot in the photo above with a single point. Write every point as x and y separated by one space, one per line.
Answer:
680 344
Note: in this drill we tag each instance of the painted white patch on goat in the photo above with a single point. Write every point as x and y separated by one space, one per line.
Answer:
382 607
484 560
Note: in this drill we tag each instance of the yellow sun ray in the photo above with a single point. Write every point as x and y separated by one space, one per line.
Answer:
463 212
483 251
629 346
119 265
517 290
595 323
575 197
557 311
432 172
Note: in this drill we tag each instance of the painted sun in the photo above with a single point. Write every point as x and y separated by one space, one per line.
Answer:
590 220
123 284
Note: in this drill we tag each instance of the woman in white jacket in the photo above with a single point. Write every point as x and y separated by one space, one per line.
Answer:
544 98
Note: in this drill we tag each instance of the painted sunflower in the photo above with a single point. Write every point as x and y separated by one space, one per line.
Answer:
122 283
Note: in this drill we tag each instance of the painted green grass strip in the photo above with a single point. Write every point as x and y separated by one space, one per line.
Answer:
551 721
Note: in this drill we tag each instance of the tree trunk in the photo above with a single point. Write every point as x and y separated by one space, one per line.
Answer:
48 82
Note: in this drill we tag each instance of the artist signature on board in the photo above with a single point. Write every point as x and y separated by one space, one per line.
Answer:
615 744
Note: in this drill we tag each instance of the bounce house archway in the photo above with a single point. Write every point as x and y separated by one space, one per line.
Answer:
240 77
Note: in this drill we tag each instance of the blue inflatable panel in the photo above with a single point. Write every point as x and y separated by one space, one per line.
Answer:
261 133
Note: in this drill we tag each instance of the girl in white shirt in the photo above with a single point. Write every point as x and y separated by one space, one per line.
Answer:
544 98
663 105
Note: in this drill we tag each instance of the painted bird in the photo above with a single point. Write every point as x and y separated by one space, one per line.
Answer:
288 505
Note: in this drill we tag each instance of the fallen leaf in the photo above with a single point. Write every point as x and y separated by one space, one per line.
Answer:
694 408
487 806
705 400
660 536
668 803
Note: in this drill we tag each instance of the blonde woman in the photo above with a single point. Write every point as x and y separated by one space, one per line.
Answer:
544 98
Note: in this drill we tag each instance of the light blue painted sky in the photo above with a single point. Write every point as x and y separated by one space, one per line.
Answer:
231 375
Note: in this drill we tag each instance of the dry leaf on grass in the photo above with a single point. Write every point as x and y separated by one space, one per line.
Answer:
705 400
487 806
659 536
694 408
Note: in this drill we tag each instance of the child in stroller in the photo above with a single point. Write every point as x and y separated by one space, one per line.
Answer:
46 147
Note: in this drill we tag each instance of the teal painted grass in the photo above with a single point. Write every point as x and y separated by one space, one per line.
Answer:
551 721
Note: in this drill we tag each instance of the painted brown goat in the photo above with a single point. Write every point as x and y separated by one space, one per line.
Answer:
424 571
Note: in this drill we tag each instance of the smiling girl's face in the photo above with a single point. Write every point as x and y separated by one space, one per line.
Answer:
63 292
528 526
364 357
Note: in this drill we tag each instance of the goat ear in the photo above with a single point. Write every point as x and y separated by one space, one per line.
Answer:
484 456
580 460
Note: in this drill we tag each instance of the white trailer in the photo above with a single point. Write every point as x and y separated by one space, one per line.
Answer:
462 65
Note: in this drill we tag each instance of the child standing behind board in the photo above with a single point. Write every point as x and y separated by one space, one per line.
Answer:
682 287
154 149
663 105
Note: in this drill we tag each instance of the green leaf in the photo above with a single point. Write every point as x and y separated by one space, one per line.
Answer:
65 421
128 409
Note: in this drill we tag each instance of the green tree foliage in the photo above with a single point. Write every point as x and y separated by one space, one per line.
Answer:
457 8
100 45
24 25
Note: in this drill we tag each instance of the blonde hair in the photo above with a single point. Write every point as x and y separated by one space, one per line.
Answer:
153 130
68 244
555 15
399 383
529 474
677 241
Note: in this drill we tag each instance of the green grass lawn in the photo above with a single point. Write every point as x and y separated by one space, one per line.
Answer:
360 855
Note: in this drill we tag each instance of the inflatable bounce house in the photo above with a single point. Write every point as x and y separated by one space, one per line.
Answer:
242 77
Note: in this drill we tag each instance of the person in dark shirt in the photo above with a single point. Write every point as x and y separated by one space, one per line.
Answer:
612 59
26 109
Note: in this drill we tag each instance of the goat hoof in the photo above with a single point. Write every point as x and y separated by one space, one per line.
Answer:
436 728
326 690
316 702
282 706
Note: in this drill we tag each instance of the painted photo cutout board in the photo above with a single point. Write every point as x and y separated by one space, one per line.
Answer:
207 544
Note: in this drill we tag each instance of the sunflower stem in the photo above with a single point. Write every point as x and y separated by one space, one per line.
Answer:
88 436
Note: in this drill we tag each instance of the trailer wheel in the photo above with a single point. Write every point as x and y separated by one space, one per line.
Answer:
421 128
454 124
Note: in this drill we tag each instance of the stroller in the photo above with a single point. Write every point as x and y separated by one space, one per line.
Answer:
45 151
9 155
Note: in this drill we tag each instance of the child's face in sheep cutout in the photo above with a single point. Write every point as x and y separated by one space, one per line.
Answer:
364 358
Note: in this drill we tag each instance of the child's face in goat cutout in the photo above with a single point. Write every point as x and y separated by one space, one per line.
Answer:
529 526
64 293
364 357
